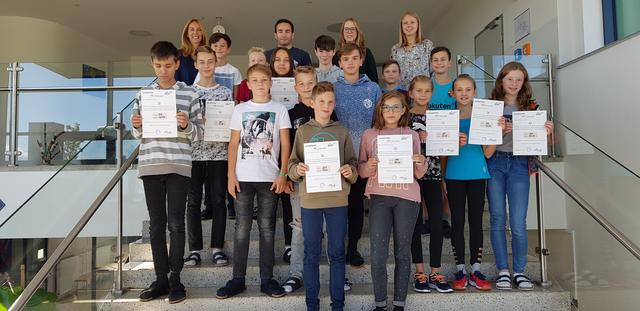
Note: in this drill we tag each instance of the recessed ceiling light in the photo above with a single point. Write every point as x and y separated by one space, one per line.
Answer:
335 27
139 33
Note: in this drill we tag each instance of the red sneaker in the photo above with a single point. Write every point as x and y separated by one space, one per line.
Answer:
479 281
460 282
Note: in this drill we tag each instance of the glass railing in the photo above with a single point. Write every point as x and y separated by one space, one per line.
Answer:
585 258
69 104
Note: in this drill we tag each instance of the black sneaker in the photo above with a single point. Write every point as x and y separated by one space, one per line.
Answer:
177 293
272 289
155 290
446 229
354 258
232 288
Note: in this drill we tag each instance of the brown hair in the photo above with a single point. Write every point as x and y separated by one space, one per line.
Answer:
305 70
273 60
359 34
419 78
525 93
259 68
185 44
403 38
378 119
321 88
390 62
206 49
350 47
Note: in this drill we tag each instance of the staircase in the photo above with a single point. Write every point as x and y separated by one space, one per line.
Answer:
203 281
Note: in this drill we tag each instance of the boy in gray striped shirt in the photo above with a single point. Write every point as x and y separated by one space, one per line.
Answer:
164 165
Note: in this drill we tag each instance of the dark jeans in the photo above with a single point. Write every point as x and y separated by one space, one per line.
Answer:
212 174
356 212
165 196
244 220
389 215
287 216
312 219
472 193
432 195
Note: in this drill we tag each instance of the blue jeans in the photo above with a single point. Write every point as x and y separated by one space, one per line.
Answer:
312 219
510 179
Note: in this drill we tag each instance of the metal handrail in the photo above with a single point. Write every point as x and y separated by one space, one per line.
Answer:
53 260
617 234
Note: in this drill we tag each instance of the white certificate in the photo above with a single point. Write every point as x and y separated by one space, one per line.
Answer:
158 111
485 116
218 116
443 132
529 133
282 91
323 160
395 163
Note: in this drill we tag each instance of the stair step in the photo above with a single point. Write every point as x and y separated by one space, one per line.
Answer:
360 298
141 250
141 274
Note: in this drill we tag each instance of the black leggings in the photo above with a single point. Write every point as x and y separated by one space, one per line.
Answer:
431 191
471 192
287 216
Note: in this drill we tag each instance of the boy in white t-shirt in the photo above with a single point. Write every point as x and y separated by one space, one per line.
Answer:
259 138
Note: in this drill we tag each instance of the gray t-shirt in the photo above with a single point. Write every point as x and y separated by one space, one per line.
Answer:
507 140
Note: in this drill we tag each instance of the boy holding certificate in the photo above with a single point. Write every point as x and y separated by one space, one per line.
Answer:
209 166
323 153
165 165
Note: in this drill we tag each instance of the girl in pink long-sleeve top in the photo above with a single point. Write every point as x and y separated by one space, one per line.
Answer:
394 206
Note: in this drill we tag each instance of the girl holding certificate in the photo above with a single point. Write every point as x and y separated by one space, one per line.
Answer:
466 176
510 179
393 205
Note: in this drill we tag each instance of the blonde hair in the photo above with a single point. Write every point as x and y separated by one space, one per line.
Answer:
185 45
255 49
359 35
403 38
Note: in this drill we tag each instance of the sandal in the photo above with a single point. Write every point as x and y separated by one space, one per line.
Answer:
220 259
503 281
193 259
523 282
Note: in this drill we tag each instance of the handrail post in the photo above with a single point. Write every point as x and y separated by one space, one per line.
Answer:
542 250
549 61
13 152
117 282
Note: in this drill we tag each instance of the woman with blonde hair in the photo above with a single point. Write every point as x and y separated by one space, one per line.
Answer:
193 36
413 50
350 32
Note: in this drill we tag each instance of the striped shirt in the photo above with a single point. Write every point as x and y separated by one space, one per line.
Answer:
159 156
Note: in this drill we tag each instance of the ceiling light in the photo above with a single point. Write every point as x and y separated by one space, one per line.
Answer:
139 33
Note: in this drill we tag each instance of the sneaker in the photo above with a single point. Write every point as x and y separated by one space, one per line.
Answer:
232 288
292 285
347 285
479 281
522 281
446 229
438 282
155 290
355 259
272 289
504 281
420 283
193 259
177 293
460 282
286 256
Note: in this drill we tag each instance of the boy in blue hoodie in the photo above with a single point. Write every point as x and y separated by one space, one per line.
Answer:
356 98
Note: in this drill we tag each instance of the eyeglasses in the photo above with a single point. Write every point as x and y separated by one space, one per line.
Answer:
350 29
394 108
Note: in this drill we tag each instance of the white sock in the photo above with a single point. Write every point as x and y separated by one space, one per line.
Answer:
475 267
462 268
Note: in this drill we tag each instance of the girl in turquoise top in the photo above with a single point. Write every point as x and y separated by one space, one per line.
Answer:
466 177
